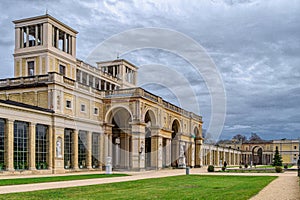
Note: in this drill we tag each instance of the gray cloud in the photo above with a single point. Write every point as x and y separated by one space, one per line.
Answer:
255 45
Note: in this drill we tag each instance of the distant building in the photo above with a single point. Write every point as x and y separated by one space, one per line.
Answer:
261 152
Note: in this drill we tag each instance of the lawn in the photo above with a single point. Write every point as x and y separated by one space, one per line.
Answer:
55 178
176 187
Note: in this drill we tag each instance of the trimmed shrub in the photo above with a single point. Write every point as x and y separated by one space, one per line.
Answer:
285 166
246 165
278 169
211 168
240 167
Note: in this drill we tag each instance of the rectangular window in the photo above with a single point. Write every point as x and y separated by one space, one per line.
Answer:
295 147
41 147
82 108
91 81
68 104
62 70
82 144
30 67
20 145
95 150
68 150
95 111
78 75
2 141
84 78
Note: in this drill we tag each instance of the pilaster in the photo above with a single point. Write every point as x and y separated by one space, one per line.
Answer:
89 150
9 145
75 149
50 147
138 146
32 146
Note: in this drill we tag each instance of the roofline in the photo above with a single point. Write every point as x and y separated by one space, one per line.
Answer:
42 17
117 60
23 105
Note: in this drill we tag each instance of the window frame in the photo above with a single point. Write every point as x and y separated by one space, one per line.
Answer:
28 70
70 104
82 108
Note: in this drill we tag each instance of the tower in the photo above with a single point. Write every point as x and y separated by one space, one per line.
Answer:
42 45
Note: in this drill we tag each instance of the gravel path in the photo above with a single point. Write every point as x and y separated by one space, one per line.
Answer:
286 186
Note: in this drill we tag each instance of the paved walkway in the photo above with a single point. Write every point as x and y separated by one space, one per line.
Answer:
286 186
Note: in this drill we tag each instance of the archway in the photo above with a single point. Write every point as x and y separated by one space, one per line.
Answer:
257 154
175 143
121 138
150 121
195 155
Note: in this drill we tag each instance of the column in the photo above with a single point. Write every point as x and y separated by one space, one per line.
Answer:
73 45
57 38
41 33
65 43
107 142
192 152
210 155
105 148
31 146
51 148
9 145
27 36
18 38
199 153
21 38
75 149
89 150
201 158
218 157
138 145
234 154
36 35
168 152
114 71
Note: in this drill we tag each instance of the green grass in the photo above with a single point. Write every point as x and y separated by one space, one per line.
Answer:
177 187
55 178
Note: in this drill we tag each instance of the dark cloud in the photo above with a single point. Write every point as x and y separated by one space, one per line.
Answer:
255 45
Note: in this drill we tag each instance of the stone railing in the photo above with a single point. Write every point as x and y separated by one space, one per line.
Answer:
24 80
69 81
96 70
139 92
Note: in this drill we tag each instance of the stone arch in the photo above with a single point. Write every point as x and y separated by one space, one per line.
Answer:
150 120
175 127
109 114
150 116
196 131
120 117
175 142
257 155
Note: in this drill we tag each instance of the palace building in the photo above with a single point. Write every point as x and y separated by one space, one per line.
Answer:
59 114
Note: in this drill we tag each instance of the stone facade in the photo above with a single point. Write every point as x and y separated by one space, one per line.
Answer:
60 114
262 152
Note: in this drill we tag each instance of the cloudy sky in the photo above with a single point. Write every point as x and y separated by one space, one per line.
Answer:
254 44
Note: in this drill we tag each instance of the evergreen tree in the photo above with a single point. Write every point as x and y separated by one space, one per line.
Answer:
277 160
